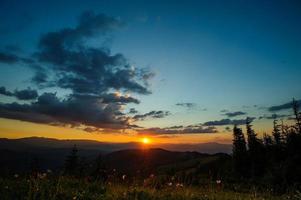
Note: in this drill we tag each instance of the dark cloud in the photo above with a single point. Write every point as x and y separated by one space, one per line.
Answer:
84 69
175 127
133 111
234 114
8 58
5 92
187 105
284 106
95 78
26 94
117 98
152 114
274 116
198 129
74 110
226 122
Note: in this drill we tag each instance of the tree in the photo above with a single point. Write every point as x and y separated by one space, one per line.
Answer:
267 140
297 115
277 134
72 161
239 152
256 151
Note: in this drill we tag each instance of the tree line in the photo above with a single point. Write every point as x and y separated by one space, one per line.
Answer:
273 160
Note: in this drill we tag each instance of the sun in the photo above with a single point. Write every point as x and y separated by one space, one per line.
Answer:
145 140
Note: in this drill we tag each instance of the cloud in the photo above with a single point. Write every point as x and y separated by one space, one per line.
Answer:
226 122
85 69
26 94
133 111
152 114
95 80
234 114
195 129
284 106
5 92
74 111
117 98
274 116
8 58
187 105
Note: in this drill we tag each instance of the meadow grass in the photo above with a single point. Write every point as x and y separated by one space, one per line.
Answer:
64 188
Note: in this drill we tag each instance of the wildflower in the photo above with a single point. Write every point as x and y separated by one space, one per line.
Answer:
169 184
218 182
179 185
42 176
16 175
152 176
123 177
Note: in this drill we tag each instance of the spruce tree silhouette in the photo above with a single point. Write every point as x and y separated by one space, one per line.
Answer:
239 152
297 115
256 151
277 133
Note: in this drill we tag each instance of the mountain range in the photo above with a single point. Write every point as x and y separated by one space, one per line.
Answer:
18 154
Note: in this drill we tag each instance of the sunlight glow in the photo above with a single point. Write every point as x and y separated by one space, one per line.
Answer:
145 140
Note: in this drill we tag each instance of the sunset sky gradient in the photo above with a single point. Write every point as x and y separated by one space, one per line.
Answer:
174 71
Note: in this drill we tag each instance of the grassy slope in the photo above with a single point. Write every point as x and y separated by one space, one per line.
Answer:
67 188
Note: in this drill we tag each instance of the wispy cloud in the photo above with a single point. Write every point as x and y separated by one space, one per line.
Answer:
225 122
234 114
192 129
152 114
284 106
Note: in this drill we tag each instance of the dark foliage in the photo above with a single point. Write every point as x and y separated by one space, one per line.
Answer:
72 162
274 161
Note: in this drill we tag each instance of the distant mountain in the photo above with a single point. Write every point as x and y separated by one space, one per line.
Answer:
40 142
18 154
33 143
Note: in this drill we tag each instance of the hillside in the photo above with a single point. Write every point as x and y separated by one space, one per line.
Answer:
18 154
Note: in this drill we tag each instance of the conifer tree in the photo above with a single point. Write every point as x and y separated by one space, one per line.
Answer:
277 134
239 152
256 151
267 140
297 115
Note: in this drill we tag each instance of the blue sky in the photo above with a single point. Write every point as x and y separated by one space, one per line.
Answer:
215 54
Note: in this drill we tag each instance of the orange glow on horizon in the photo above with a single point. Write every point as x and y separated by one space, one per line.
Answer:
14 129
146 140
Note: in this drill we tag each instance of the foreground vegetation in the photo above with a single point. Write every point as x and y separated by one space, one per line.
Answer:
55 188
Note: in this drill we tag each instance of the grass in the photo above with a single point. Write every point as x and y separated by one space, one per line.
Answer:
64 188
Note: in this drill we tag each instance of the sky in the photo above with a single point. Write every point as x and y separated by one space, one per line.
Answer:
174 71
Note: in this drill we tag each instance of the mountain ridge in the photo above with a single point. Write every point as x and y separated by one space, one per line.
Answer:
44 142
